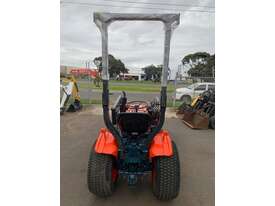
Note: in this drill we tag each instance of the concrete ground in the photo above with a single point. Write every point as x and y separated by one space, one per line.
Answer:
196 149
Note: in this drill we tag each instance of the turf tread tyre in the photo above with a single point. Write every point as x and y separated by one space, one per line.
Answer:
100 174
166 180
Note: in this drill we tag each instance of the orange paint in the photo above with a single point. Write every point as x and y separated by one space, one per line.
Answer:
106 143
161 145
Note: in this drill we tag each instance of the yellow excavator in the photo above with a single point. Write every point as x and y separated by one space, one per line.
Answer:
69 89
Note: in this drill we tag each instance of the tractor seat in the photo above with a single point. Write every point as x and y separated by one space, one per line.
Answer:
134 122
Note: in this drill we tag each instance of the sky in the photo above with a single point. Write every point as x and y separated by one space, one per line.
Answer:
137 43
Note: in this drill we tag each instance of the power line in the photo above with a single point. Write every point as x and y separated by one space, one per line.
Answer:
151 8
160 4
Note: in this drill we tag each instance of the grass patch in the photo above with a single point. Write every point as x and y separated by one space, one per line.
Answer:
99 101
170 103
129 87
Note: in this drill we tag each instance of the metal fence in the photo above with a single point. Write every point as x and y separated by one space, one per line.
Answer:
91 94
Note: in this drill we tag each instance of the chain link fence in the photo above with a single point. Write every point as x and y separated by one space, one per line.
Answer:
90 91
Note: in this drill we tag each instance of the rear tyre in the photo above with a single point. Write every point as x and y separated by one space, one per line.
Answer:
166 176
102 174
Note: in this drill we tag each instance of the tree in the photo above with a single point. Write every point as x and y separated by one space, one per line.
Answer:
116 66
152 72
210 66
201 64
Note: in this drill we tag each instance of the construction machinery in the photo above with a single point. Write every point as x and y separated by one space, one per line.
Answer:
133 144
201 113
69 89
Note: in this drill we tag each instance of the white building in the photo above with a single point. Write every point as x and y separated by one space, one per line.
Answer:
134 74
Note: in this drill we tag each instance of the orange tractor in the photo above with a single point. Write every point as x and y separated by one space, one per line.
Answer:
133 144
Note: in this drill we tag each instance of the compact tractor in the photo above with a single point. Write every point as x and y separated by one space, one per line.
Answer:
133 144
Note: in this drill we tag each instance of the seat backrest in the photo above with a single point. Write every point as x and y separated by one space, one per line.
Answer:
134 122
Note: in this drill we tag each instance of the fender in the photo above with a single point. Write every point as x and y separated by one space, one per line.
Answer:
106 143
161 145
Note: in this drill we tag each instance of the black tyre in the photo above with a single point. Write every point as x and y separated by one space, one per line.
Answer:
166 176
186 99
212 122
61 111
102 174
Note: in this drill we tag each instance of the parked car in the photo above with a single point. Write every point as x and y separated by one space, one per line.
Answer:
186 94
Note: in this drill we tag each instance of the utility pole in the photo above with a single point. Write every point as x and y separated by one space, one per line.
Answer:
89 79
175 85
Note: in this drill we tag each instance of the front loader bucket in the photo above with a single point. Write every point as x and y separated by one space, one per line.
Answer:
196 119
183 107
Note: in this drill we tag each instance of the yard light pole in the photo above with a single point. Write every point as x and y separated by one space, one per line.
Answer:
175 84
88 62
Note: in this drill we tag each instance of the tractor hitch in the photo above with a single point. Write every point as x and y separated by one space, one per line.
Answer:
132 180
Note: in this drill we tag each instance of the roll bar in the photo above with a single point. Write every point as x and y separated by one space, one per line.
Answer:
103 20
